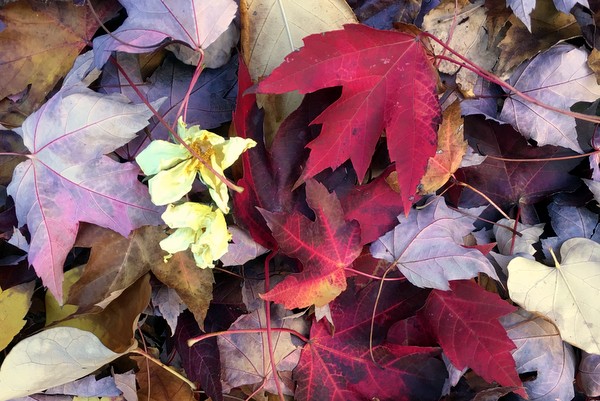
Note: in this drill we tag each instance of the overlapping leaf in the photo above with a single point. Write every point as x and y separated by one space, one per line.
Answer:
195 22
427 247
339 367
67 177
388 83
325 247
558 77
565 294
477 339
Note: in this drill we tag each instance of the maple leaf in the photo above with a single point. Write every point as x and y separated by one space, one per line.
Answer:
558 77
325 247
477 339
388 83
67 177
195 22
427 247
339 368
510 183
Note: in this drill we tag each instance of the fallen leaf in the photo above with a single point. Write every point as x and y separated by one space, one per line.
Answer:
167 304
383 14
115 324
14 304
272 29
52 357
63 183
509 243
88 386
192 284
451 149
39 46
427 246
467 23
558 77
540 350
565 294
114 264
391 86
477 339
522 9
548 27
588 374
245 356
242 249
325 247
339 368
201 361
511 183
157 384
195 22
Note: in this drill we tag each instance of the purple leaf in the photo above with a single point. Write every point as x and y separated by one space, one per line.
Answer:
558 77
68 178
588 374
195 22
427 246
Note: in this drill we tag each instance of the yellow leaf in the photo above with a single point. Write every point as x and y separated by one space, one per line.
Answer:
566 294
14 304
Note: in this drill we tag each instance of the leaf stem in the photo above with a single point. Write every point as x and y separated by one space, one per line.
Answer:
373 276
268 323
468 64
203 337
286 25
228 183
484 196
169 369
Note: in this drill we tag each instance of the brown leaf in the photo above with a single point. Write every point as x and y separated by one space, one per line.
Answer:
192 284
548 27
452 146
115 263
39 45
157 384
114 325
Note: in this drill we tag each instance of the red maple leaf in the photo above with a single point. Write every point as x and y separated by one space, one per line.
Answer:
324 246
388 83
465 323
339 367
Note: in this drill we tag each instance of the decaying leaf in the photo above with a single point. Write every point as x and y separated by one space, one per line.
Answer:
566 294
156 384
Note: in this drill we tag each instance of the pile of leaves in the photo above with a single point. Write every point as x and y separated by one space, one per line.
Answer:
417 220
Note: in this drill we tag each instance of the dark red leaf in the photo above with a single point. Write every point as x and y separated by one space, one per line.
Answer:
339 368
465 323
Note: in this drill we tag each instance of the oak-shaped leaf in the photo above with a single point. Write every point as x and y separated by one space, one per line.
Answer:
427 247
68 179
339 368
558 77
388 83
197 23
566 294
325 247
477 339
541 350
